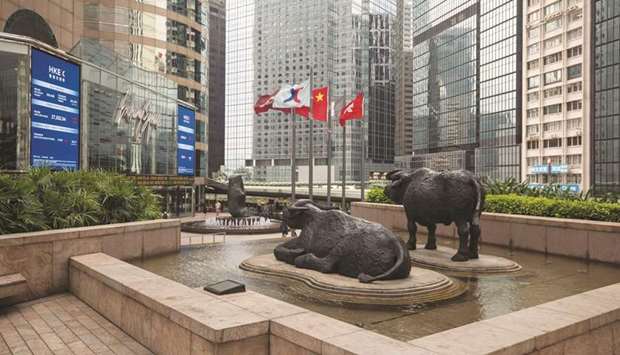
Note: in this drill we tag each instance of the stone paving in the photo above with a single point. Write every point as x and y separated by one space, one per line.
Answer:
61 324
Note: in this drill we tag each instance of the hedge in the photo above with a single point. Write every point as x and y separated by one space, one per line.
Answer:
548 207
536 206
42 200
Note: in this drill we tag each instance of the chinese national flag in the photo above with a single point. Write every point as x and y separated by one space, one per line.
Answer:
320 103
353 110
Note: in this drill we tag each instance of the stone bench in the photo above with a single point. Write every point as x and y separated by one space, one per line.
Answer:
12 285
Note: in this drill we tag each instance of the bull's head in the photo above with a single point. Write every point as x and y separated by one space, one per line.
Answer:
399 181
298 214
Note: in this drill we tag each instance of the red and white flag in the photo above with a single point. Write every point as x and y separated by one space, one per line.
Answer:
353 110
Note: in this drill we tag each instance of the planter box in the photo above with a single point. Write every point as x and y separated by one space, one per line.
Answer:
42 257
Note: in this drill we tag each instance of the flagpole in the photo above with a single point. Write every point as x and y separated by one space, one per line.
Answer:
363 176
311 147
293 158
344 166
329 147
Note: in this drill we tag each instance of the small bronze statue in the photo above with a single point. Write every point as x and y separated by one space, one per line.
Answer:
331 241
236 197
431 197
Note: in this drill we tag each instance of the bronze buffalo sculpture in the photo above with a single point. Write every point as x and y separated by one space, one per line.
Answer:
331 241
236 197
431 197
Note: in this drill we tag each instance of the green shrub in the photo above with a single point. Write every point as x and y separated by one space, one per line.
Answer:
548 207
377 195
43 200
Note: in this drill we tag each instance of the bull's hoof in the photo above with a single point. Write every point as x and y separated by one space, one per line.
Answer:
430 246
460 257
364 278
473 255
411 246
302 260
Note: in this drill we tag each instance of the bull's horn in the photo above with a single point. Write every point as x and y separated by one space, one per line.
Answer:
394 173
297 209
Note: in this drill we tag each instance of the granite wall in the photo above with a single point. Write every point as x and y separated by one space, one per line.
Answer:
43 257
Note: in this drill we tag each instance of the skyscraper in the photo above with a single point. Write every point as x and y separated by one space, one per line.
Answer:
605 86
217 79
466 92
346 44
555 93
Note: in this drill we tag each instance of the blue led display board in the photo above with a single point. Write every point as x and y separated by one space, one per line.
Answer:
55 107
186 139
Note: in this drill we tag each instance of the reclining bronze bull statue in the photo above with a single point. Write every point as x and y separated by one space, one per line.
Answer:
331 241
431 197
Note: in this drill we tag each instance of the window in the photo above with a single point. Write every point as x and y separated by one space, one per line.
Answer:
552 58
574 87
573 105
532 129
533 144
534 16
553 42
556 91
573 52
532 96
573 141
552 143
575 16
573 159
554 159
533 82
553 25
533 33
532 113
574 123
573 178
552 8
574 34
532 3
552 126
574 71
533 49
532 64
551 109
553 76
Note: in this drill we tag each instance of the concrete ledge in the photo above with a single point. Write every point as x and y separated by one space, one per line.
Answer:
591 240
586 323
43 257
163 315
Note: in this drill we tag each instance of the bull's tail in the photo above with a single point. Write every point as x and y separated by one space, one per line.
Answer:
365 278
479 202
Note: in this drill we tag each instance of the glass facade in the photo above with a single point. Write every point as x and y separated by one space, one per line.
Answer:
346 44
606 96
165 36
466 105
128 114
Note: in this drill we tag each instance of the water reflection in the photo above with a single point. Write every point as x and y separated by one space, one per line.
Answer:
542 279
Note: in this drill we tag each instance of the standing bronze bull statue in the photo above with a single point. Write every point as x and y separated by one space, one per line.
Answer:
431 197
331 241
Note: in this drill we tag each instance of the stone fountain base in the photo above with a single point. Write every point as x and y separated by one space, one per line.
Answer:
422 286
231 225
440 259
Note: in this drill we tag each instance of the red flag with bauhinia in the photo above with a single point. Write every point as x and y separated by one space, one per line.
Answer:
353 110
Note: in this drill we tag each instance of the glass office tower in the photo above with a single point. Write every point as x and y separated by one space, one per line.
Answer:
168 37
346 44
605 113
466 92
